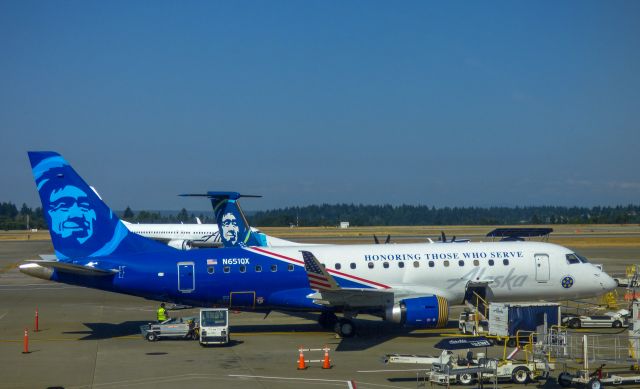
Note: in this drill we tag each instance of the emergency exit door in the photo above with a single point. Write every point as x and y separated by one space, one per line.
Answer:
186 277
542 267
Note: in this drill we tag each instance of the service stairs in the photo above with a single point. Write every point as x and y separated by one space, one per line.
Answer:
478 305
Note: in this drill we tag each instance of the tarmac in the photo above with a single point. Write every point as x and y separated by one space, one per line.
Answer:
91 339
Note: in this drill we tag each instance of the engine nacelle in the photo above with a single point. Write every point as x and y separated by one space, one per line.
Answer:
423 312
180 244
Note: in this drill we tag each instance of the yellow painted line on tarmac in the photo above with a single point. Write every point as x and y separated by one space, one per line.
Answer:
280 333
8 267
436 331
31 339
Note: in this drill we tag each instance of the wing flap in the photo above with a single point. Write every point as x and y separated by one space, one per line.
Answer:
353 298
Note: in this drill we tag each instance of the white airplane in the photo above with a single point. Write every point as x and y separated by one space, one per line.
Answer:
188 236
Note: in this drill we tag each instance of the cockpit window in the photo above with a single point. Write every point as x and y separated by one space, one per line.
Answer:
582 258
572 259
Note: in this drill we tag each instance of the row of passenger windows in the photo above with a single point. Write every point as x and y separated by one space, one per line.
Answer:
243 268
416 264
370 265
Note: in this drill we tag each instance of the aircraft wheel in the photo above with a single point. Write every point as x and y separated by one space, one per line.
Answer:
520 375
466 379
594 384
152 337
345 328
575 323
617 324
564 379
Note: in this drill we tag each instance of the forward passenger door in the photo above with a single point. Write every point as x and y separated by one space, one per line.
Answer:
542 267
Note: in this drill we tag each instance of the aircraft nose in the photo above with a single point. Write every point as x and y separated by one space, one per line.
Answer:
607 282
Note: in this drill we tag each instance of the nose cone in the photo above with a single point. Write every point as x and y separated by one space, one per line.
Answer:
608 283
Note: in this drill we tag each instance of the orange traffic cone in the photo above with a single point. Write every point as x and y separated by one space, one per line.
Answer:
301 363
326 363
25 350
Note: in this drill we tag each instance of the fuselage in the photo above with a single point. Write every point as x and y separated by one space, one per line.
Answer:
186 236
257 278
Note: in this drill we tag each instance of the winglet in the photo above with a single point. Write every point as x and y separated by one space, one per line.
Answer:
319 277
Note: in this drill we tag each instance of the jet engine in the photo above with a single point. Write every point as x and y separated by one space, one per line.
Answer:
180 244
423 312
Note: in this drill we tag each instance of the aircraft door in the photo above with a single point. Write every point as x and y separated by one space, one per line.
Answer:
186 277
244 299
542 267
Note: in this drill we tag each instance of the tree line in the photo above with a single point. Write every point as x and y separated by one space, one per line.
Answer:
12 218
415 215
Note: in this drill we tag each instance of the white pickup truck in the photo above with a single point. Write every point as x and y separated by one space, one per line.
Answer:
616 319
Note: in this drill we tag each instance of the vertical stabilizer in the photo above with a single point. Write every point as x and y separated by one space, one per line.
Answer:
234 228
80 223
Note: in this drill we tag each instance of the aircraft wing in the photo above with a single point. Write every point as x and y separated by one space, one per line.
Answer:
329 293
72 267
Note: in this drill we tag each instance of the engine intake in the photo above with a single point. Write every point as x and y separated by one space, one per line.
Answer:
423 312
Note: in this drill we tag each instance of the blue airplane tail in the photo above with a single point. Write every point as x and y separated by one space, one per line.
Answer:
80 223
235 231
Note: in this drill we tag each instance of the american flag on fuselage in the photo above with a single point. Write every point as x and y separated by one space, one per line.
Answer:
318 277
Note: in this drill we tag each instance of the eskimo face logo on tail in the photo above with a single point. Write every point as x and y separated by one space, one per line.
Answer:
71 214
230 228
80 224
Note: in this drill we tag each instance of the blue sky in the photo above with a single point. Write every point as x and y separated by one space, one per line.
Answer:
304 102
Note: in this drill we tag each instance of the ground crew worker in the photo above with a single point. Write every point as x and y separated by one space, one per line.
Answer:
162 313
192 330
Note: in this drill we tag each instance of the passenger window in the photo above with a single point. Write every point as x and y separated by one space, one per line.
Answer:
353 265
290 267
274 268
461 263
476 262
572 259
258 268
505 261
416 264
446 263
243 268
385 265
210 269
370 265
226 269
431 264
337 266
491 262
400 265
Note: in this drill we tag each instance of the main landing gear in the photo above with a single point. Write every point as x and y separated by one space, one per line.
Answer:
343 327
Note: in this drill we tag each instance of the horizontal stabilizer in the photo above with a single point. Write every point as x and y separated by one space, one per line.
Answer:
219 195
73 268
